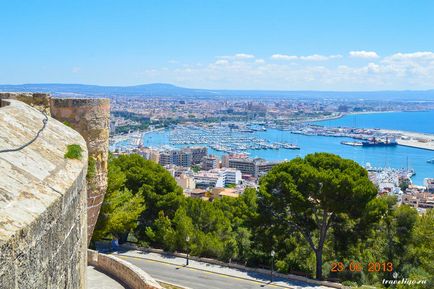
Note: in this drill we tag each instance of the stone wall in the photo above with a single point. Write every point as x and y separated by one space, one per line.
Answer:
40 101
90 117
127 273
42 202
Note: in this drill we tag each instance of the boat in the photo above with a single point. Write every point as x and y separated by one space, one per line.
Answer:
291 146
380 143
430 161
352 143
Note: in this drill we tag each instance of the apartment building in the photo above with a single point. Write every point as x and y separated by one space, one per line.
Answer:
253 167
209 163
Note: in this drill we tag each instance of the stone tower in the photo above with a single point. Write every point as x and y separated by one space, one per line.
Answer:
91 118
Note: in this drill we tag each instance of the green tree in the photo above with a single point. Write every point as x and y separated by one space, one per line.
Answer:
164 232
184 228
119 214
420 256
156 186
306 196
121 208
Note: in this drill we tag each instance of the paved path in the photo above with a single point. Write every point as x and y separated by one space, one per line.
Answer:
98 280
199 275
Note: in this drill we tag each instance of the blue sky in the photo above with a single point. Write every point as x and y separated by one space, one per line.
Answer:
236 44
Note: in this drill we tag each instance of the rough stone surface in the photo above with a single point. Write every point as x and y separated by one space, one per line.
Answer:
123 271
40 101
42 203
90 117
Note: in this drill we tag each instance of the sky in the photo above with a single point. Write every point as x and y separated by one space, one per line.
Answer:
220 44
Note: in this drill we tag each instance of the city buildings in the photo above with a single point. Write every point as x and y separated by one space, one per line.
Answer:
186 182
429 184
253 167
209 162
230 176
197 154
185 157
205 180
420 201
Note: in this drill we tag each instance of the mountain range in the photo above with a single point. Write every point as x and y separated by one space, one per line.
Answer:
172 91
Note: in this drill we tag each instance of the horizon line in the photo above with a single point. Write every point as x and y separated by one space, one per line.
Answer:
221 89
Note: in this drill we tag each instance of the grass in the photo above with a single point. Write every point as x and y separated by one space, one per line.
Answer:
73 151
91 168
67 123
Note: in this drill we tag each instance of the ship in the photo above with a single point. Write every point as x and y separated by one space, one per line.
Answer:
291 146
377 142
352 143
430 161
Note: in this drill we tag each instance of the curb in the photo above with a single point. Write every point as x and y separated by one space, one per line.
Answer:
213 272
289 277
171 284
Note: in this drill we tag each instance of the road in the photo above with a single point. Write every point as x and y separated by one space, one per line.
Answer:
195 278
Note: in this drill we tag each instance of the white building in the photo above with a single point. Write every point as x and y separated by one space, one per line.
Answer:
429 184
209 180
230 176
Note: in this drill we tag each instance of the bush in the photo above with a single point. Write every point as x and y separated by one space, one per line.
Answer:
73 151
67 123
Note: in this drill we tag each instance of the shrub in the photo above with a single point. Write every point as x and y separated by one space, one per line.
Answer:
67 123
73 151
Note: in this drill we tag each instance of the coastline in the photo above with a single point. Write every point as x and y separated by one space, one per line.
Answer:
325 118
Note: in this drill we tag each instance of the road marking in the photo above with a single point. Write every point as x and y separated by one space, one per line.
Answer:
207 272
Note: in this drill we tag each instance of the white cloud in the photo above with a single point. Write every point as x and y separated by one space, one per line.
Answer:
237 56
313 57
283 57
364 54
221 62
244 56
373 67
396 71
414 55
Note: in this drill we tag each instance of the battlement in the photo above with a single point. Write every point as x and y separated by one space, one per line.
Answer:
91 118
40 101
42 201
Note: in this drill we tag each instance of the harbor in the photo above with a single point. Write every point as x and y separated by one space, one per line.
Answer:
412 139
225 138
413 150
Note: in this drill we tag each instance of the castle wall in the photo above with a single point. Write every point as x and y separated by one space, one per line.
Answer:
42 202
40 101
90 117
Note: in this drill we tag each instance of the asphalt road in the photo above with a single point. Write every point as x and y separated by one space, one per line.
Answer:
199 279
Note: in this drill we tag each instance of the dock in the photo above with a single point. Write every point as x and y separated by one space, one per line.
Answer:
412 139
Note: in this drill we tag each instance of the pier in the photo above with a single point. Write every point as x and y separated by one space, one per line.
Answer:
412 139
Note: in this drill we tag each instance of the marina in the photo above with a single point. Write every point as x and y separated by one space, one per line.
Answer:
289 142
224 138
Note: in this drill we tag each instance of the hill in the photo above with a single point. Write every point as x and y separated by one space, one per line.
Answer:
172 91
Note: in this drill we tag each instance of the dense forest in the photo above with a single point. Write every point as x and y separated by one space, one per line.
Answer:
317 213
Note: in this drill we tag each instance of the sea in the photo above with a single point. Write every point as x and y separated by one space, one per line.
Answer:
393 157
